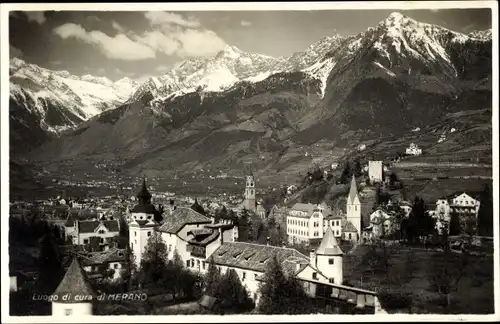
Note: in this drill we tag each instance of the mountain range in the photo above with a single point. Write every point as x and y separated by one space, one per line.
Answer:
239 108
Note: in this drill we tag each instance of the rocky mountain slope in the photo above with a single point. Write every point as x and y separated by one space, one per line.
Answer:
45 102
396 76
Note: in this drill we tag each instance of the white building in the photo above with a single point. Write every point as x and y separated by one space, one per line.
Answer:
197 240
75 295
462 204
305 222
85 229
375 171
413 149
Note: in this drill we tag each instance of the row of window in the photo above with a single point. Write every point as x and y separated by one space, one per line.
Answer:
315 224
297 232
149 233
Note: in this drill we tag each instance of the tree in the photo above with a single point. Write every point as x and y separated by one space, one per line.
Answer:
420 223
346 174
94 244
279 294
485 213
455 227
198 208
446 270
357 168
245 226
153 268
50 269
124 231
232 295
211 279
174 275
222 213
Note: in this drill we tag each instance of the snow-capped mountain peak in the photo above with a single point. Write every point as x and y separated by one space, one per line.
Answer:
73 98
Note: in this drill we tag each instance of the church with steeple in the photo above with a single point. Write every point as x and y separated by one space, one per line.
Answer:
353 213
250 202
143 219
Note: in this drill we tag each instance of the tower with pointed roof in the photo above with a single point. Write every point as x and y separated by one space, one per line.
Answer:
353 207
144 217
74 296
328 259
250 202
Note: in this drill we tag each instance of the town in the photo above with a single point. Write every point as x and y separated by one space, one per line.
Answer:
237 254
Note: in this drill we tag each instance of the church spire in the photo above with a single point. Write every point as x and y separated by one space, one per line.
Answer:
353 191
144 196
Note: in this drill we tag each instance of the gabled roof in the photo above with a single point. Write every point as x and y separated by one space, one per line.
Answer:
255 257
91 226
349 227
74 283
180 217
353 191
329 245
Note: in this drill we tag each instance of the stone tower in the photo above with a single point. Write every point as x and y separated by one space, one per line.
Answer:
353 207
75 296
250 202
328 259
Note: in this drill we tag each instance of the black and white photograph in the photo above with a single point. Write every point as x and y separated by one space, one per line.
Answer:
235 160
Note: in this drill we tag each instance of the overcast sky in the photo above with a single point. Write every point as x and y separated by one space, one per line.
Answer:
136 44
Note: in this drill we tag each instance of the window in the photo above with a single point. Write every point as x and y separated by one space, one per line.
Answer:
198 263
135 233
330 261
169 247
331 280
68 311
187 263
85 241
243 275
255 276
132 245
203 265
315 275
355 208
115 266
192 263
102 240
101 231
149 234
135 241
349 235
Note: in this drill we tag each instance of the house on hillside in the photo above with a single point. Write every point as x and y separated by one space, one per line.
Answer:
413 149
461 203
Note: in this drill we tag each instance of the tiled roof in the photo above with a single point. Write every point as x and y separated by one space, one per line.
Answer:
112 255
91 226
255 257
205 239
349 227
180 217
144 208
201 231
74 283
329 245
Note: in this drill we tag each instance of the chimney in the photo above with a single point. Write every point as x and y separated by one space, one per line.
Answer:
267 240
312 258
